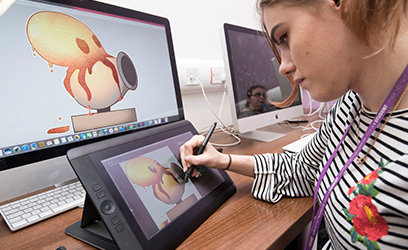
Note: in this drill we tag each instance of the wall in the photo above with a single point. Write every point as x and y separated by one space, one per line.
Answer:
195 23
195 26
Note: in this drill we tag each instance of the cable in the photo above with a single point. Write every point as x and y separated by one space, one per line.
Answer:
309 104
222 100
307 127
321 110
223 127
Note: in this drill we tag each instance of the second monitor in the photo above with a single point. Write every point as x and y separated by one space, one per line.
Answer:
253 80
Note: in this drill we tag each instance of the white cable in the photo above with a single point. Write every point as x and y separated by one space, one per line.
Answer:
222 100
208 102
224 128
310 104
307 127
312 125
320 110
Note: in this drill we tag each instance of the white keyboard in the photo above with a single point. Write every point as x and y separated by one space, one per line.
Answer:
298 145
27 211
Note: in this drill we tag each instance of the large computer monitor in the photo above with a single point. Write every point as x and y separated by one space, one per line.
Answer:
75 72
250 67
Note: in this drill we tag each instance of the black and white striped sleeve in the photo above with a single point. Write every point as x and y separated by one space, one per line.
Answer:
291 174
278 175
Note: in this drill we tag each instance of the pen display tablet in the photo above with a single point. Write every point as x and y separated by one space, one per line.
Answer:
139 179
150 189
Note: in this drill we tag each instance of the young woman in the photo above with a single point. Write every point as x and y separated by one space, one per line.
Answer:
355 51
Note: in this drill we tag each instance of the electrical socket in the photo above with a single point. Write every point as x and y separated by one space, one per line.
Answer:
192 73
217 75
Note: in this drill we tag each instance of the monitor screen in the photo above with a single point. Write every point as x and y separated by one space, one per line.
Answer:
254 81
75 72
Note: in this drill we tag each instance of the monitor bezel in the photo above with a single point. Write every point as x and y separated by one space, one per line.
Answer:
18 160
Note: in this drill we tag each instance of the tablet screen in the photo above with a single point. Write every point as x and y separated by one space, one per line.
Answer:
149 187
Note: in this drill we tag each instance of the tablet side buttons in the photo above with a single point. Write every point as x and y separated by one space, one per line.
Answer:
96 187
108 207
115 220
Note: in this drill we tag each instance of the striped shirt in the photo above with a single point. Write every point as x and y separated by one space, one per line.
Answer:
368 209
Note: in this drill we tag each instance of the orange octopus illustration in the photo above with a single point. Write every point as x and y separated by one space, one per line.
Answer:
144 171
95 79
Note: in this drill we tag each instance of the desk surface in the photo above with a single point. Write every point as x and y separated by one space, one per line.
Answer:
240 223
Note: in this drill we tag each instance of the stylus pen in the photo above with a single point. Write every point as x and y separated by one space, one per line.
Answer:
201 149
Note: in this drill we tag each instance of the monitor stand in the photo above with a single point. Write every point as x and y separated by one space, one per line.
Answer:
264 136
91 229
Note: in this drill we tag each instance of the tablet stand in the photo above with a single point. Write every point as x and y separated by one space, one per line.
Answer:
91 229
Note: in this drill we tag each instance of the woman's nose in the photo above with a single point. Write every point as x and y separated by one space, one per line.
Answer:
287 66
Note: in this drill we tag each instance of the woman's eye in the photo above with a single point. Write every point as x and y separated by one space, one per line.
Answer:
283 39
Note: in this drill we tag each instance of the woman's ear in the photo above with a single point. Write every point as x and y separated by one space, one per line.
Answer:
335 4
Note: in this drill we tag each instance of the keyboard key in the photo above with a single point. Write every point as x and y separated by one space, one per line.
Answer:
37 207
19 223
62 208
61 202
11 211
46 213
35 212
5 208
26 202
14 220
16 206
25 216
28 210
33 218
23 207
33 200
19 213
44 209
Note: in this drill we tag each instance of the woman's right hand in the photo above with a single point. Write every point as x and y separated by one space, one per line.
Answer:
210 158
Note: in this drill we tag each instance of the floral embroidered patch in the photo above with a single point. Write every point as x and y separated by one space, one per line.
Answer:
368 225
